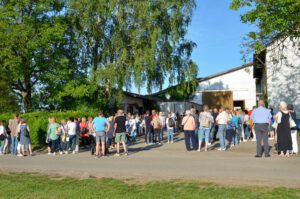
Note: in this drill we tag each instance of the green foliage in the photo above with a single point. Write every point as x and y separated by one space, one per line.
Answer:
38 122
274 19
137 43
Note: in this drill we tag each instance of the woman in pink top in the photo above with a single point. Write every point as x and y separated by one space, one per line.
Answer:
189 126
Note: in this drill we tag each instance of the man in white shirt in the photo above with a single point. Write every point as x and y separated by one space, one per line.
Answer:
71 126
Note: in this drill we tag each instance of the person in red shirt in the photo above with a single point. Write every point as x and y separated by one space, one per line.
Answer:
84 132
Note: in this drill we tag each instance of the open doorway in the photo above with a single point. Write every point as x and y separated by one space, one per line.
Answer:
239 104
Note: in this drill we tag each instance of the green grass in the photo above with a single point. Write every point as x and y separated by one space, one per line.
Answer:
38 186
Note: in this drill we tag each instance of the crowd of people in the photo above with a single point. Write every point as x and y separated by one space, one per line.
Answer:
104 135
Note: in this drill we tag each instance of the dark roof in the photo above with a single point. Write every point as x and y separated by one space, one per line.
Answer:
134 95
224 72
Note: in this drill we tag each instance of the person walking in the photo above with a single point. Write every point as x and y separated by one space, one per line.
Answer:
293 115
120 132
222 120
189 126
284 137
13 126
261 118
205 121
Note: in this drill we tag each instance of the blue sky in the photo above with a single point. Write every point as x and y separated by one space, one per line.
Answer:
218 33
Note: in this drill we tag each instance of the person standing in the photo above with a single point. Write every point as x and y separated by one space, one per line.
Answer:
148 128
214 126
23 128
222 120
110 133
132 128
170 124
92 136
205 121
246 126
157 126
284 137
71 125
189 126
53 133
64 142
84 132
13 126
162 118
100 125
3 136
261 118
293 115
120 132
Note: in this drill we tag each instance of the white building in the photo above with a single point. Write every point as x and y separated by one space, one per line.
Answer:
283 73
234 88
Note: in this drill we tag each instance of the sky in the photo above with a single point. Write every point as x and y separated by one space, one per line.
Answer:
218 33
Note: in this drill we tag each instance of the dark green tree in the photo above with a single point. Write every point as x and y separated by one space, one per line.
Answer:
274 19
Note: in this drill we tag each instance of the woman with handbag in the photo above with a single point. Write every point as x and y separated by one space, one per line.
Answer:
24 137
284 138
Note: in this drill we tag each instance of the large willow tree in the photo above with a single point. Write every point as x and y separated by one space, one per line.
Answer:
134 43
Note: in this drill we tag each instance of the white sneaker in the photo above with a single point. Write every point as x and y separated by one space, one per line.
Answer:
60 153
209 144
49 153
172 142
73 152
253 140
219 149
54 154
66 152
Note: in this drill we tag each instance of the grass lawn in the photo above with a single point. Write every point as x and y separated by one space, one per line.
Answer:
39 186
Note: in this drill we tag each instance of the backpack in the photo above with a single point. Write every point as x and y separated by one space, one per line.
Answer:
171 122
157 123
204 122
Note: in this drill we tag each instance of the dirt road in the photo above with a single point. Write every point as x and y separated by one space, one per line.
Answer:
236 166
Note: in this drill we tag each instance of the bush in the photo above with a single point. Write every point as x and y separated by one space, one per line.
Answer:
38 122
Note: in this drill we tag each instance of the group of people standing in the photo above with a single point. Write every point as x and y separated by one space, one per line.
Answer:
238 126
103 134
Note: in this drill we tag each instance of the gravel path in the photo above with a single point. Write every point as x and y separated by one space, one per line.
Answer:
236 166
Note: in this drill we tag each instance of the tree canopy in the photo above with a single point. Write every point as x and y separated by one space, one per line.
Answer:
63 53
273 18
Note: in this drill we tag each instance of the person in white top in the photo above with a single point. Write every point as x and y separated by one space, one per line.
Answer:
162 118
170 124
246 127
132 127
222 120
3 137
71 126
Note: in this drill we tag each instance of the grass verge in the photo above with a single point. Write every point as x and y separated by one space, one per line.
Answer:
28 185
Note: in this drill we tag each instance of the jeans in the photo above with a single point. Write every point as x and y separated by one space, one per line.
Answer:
162 133
14 145
230 135
197 136
72 142
190 141
222 133
170 134
204 132
2 146
148 134
157 135
54 145
237 138
133 135
246 131
64 146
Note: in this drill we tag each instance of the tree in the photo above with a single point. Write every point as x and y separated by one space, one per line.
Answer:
139 43
274 19
33 46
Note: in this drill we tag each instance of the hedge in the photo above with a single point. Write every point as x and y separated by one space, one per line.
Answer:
38 122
